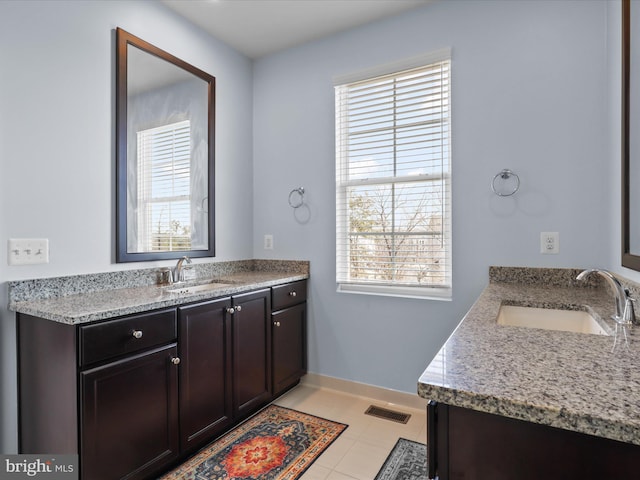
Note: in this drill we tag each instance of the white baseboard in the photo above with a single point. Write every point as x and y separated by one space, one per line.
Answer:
364 390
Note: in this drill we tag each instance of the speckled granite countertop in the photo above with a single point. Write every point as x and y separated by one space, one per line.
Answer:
85 298
573 381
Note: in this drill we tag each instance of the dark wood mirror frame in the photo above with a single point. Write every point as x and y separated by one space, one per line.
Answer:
629 259
123 39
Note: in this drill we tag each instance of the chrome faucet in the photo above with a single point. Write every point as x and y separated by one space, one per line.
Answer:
624 303
178 271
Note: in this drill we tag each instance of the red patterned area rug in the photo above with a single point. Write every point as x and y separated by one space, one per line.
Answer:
276 444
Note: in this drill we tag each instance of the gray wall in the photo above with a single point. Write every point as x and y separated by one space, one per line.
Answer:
529 83
535 89
57 152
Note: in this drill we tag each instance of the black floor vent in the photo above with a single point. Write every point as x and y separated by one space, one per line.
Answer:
388 414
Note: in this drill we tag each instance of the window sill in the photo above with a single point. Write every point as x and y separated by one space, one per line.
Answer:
422 293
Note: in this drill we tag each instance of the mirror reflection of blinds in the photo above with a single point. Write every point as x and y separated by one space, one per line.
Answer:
164 187
393 180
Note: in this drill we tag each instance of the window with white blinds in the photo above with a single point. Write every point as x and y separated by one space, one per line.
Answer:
164 186
393 218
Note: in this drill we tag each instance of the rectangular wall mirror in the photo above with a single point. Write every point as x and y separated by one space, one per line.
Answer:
630 143
165 115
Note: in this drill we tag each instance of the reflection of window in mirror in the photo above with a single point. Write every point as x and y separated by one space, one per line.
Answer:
164 188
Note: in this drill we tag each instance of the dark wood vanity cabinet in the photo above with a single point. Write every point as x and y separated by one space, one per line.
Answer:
289 327
149 389
464 443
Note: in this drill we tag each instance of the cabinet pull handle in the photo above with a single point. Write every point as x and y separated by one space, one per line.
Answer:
277 324
231 310
175 360
137 334
238 308
293 294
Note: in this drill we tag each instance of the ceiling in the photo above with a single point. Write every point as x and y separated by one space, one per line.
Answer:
260 27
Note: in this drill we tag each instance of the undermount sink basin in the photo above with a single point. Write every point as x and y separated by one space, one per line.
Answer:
197 288
549 319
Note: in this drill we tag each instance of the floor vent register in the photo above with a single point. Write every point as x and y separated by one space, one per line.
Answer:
387 414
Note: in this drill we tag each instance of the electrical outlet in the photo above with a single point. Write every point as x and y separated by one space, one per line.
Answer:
28 251
549 242
268 242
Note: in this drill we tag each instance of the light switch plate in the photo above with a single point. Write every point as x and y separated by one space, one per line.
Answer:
27 251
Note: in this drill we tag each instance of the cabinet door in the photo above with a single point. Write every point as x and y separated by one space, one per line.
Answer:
251 351
129 416
205 372
289 347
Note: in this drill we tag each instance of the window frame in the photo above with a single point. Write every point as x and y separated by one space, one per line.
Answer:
345 284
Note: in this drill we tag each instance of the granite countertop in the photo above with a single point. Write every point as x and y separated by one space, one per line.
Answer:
568 380
93 297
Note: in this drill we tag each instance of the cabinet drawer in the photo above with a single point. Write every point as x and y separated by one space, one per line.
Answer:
284 296
113 338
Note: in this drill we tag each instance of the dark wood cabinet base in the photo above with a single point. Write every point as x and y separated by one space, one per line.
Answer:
136 395
468 445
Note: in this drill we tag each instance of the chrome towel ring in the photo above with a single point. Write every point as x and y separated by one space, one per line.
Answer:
296 197
504 176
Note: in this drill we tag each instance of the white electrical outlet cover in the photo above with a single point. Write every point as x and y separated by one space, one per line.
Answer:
268 242
549 243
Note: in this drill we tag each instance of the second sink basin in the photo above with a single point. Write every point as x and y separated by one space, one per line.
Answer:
549 319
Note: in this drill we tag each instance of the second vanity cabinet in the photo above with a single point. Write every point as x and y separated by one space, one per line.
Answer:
458 447
149 389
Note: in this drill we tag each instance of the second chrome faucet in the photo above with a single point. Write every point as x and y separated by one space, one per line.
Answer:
625 313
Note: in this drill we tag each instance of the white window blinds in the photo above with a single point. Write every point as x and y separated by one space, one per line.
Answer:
393 218
164 185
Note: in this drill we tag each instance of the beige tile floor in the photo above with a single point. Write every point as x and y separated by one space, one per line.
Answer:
363 447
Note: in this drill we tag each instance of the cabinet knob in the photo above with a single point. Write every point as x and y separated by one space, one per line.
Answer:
277 324
175 360
137 334
238 308
293 294
231 310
